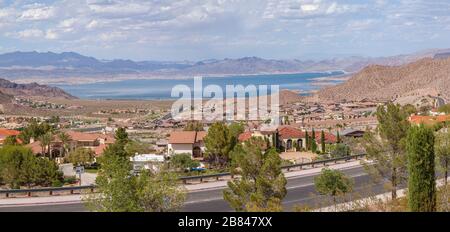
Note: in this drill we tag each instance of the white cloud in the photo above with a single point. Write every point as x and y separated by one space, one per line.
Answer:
309 7
68 23
92 25
38 13
30 33
183 26
51 34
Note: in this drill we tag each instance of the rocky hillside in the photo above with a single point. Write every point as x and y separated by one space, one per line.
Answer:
33 89
424 77
5 98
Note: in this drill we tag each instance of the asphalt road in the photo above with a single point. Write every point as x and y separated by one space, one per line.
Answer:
300 192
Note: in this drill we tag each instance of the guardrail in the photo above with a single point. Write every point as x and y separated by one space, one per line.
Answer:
51 191
185 179
286 168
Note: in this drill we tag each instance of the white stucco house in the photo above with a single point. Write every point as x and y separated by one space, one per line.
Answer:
190 142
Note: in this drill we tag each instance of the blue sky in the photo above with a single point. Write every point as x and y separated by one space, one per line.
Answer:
204 29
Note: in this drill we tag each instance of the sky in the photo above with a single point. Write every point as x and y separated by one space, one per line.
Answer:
207 29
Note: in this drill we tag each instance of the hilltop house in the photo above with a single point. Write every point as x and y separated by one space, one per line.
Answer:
288 138
4 133
190 142
97 142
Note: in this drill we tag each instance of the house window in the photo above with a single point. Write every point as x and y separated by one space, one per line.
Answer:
197 152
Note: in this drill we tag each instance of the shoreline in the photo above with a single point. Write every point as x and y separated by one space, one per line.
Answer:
106 79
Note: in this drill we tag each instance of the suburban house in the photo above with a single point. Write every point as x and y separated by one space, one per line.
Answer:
150 162
288 138
351 133
190 142
266 135
4 133
97 142
429 120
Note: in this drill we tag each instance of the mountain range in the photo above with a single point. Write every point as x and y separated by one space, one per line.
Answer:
404 83
52 67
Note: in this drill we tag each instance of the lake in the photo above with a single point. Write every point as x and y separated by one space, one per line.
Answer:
150 89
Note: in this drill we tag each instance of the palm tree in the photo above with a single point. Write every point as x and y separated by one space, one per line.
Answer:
46 140
65 138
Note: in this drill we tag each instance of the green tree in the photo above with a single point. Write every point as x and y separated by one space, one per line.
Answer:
118 147
136 147
81 156
218 144
34 130
183 161
442 149
194 126
47 173
121 136
10 140
322 141
159 192
116 185
121 191
339 150
386 146
262 185
313 145
65 139
307 141
409 109
338 137
333 183
444 109
421 160
235 129
46 140
18 167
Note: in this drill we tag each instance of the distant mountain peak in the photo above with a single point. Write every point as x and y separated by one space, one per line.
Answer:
59 66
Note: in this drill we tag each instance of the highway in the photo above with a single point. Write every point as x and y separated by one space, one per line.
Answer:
300 192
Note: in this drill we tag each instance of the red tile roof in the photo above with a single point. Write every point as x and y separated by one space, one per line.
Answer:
81 136
187 137
290 133
418 119
5 132
200 136
99 150
329 138
182 137
245 136
35 147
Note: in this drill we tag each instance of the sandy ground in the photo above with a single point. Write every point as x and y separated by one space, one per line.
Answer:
298 157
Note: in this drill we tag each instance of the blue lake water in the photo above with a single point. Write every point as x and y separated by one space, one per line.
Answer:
161 88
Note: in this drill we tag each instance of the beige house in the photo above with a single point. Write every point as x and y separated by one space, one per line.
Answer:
190 142
97 142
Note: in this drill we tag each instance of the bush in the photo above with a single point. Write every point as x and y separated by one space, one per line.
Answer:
340 150
19 167
183 162
57 183
70 180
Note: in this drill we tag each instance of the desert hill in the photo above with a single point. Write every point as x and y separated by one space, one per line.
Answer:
32 89
424 77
